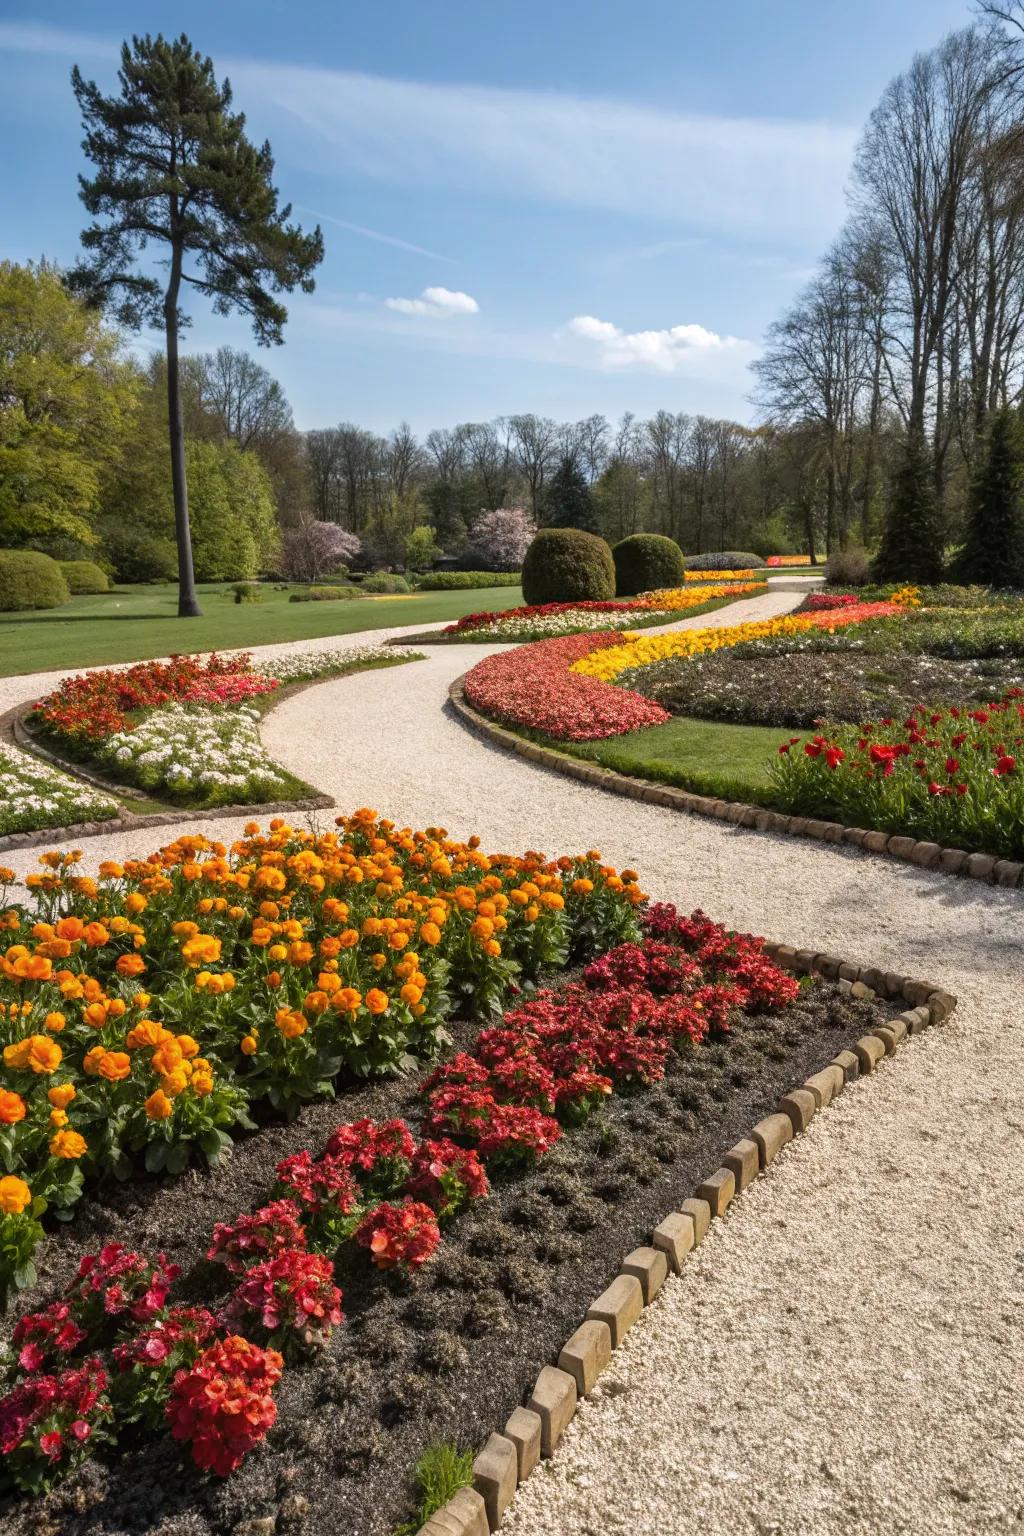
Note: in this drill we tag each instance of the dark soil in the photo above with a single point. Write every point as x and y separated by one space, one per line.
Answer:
447 1356
800 688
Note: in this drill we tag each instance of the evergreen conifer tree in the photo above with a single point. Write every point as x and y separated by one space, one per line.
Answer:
993 551
567 500
912 535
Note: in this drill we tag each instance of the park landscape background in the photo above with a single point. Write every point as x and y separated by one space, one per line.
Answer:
430 1092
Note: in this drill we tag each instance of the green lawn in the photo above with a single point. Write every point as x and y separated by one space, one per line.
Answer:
134 623
729 762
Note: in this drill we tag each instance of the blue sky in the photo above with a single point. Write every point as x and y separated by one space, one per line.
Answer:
564 207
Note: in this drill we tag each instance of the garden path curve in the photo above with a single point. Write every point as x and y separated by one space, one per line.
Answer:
844 1353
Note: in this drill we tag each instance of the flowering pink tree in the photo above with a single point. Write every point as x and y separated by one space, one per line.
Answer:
311 549
501 538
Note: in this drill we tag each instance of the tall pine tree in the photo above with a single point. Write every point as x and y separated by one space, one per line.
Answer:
174 168
567 499
993 551
912 538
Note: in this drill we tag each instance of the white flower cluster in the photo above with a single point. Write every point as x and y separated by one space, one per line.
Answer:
552 625
212 755
304 666
32 794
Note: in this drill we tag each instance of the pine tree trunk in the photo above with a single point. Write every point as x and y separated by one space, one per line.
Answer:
188 602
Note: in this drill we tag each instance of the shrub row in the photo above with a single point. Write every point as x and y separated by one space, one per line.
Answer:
458 581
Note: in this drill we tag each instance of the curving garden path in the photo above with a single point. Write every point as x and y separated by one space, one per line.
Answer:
844 1354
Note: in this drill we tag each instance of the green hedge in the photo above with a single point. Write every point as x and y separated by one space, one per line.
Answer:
566 565
30 580
325 595
84 577
724 560
382 581
646 561
457 581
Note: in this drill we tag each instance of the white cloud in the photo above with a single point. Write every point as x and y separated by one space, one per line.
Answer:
436 301
664 351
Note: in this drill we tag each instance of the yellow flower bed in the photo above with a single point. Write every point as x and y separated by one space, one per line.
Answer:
721 575
670 598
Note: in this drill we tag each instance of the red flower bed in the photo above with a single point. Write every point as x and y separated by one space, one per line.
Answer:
824 602
502 1103
94 705
533 686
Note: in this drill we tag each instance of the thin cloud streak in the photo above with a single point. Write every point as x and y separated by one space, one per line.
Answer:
376 234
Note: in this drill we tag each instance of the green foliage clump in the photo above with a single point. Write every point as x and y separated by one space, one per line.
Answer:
440 1472
325 595
247 592
565 565
384 581
142 557
646 561
848 568
993 551
724 560
30 580
421 548
567 500
912 537
461 581
84 577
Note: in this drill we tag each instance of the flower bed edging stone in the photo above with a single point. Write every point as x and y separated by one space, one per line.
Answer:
925 855
532 1432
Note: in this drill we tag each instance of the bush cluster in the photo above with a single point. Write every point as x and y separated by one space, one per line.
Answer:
646 561
458 581
84 577
30 580
848 568
326 595
384 581
565 565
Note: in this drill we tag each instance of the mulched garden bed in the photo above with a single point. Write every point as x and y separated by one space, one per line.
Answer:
447 1355
799 688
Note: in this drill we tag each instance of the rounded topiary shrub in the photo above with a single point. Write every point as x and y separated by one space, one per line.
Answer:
30 580
84 577
566 565
387 582
645 561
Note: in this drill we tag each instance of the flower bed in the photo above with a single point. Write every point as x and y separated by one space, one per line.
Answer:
32 794
774 561
535 686
948 776
185 731
550 620
611 661
461 1260
148 1010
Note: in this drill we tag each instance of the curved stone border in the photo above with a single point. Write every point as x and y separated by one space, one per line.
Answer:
12 728
533 1431
951 861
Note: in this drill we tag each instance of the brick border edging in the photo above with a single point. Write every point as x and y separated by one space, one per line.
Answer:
533 1431
930 856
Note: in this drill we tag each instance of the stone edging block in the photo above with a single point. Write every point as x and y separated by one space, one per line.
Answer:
533 1431
923 855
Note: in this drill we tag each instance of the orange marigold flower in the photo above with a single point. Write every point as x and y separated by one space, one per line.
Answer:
290 1022
249 1045
37 1053
15 1195
146 1032
410 993
68 1144
96 1015
96 935
158 1106
430 933
115 1066
61 1095
54 1022
130 965
492 948
377 1001
58 1117
12 1107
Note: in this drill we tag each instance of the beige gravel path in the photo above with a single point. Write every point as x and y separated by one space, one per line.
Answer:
845 1354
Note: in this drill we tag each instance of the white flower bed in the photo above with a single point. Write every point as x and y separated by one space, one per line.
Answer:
303 666
211 755
552 625
32 794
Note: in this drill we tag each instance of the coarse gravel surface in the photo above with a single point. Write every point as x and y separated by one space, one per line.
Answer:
844 1354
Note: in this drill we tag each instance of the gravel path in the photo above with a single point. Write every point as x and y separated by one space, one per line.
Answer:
844 1354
